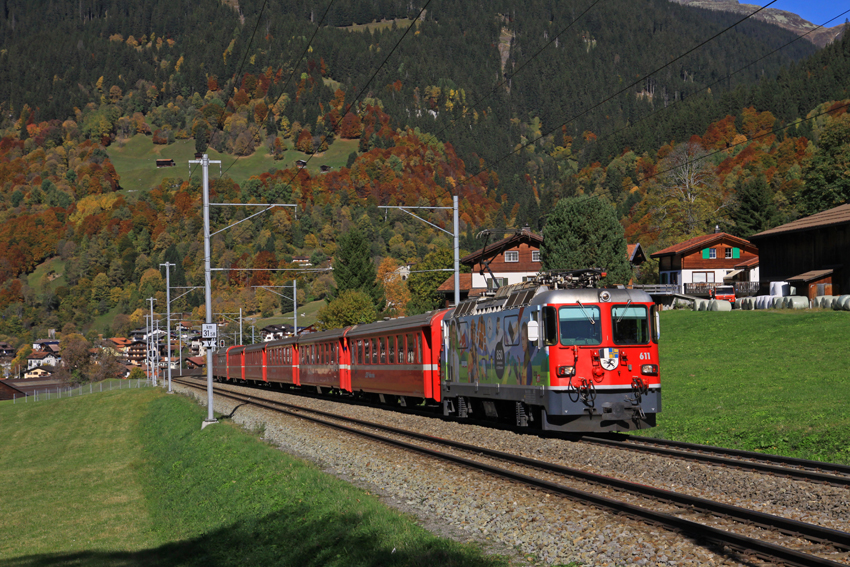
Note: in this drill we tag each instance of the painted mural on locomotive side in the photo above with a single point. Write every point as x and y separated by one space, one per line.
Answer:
493 348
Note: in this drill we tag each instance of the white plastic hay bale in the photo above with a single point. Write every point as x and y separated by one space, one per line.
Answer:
796 302
838 302
776 302
699 304
845 305
751 303
720 305
825 301
780 288
761 301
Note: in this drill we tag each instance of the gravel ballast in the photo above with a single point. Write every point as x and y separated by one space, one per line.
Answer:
456 502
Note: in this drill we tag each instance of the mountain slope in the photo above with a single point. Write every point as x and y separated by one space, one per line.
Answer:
786 20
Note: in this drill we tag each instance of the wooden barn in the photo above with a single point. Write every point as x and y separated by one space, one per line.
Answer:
812 253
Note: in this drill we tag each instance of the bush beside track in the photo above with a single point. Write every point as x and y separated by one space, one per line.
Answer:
770 381
128 478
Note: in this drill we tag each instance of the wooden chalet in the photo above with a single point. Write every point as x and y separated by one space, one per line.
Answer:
812 253
165 162
699 264
40 372
137 352
9 392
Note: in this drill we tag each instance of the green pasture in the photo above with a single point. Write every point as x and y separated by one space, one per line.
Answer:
135 161
48 275
307 315
128 478
776 381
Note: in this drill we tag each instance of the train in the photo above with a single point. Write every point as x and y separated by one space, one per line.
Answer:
555 353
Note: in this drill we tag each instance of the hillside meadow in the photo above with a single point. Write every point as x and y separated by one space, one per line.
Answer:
776 381
128 478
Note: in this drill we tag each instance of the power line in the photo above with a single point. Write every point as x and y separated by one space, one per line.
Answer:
521 67
619 92
660 110
294 68
365 87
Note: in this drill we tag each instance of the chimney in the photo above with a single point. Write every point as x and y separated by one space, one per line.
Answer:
716 228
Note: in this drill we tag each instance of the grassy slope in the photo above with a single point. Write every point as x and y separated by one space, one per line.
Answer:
128 478
135 161
773 381
306 316
36 279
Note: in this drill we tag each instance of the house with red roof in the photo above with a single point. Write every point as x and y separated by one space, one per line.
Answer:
699 264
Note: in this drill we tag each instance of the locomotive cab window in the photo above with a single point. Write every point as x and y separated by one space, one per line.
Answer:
579 325
550 326
630 324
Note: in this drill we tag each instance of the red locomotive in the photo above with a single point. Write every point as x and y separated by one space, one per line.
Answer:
556 353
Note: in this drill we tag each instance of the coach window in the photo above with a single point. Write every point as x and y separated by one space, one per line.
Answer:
418 348
631 326
382 342
410 347
580 325
391 349
374 344
400 339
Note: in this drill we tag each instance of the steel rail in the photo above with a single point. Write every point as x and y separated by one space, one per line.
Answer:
694 529
646 443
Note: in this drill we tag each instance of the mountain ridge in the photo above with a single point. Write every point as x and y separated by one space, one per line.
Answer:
787 20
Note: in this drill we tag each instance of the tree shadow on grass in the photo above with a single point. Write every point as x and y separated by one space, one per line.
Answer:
347 540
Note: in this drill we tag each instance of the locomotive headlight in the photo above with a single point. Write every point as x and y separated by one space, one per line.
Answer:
566 371
649 369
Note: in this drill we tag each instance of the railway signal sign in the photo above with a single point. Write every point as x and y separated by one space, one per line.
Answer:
209 331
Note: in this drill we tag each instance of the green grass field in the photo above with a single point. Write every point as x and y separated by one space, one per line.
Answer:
306 316
48 275
772 381
128 478
135 161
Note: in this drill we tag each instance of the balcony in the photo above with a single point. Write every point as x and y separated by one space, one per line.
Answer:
742 289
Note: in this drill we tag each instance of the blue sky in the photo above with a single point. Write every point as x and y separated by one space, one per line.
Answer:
815 11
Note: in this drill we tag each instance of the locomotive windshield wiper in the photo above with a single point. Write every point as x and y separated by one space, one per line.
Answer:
620 318
589 318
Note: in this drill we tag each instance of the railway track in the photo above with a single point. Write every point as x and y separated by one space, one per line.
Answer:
812 471
779 539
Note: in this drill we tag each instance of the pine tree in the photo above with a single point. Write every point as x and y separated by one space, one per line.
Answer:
353 268
584 233
756 210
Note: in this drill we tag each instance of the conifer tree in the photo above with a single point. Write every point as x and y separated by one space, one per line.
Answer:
353 268
584 233
756 210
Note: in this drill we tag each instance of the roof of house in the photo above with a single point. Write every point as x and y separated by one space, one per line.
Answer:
811 276
700 242
748 263
120 341
634 252
838 215
39 355
196 360
49 369
465 284
523 236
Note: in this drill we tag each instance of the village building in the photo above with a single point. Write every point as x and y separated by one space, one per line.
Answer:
811 253
700 264
39 372
42 358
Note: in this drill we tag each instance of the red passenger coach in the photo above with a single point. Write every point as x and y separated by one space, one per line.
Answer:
255 363
236 363
282 362
319 359
399 357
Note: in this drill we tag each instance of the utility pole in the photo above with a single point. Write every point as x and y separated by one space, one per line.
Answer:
240 327
168 266
205 166
152 342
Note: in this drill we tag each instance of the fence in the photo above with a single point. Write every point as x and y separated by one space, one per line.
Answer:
71 391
